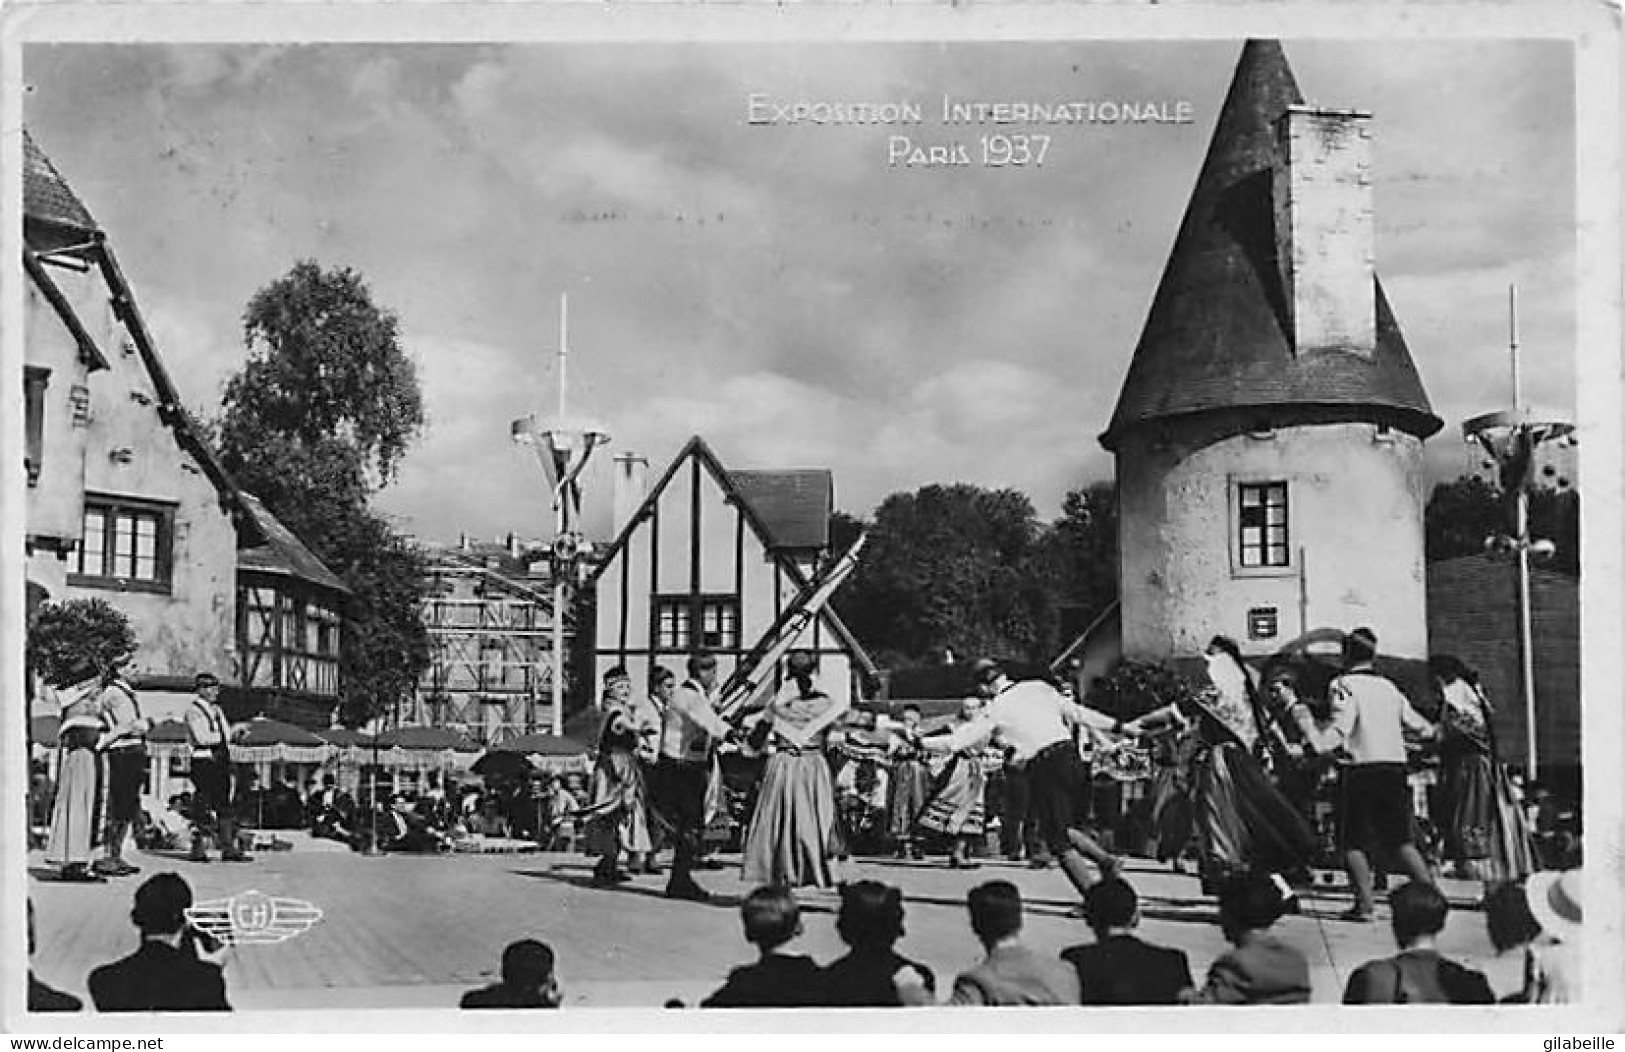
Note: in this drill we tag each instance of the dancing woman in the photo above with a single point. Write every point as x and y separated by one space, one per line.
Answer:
1241 820
795 836
1485 830
956 807
618 817
76 817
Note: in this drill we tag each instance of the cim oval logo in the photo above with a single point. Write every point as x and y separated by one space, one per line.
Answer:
254 917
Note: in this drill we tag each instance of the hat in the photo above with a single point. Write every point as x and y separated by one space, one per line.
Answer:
985 670
205 679
1554 899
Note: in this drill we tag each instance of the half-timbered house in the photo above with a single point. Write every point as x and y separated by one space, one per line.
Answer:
708 559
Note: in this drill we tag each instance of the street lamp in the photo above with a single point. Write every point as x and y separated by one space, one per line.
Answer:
562 446
1511 439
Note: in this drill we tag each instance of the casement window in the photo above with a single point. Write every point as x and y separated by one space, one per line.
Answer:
289 642
1262 537
125 542
694 622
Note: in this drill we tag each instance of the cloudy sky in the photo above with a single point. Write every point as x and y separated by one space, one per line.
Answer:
779 289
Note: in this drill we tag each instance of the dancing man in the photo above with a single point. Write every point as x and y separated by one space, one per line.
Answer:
1368 720
1035 721
211 733
690 731
125 744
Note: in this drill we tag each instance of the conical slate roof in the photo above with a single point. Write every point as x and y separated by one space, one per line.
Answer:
1218 336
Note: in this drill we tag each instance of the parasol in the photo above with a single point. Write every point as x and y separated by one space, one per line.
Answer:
267 740
498 764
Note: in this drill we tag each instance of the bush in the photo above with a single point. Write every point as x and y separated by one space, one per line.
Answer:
1134 688
71 641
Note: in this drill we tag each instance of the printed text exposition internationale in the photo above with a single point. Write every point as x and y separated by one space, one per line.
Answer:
764 109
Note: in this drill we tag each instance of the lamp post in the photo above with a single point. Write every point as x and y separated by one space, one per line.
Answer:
1511 438
562 446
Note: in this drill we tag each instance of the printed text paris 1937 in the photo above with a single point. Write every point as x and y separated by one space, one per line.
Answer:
1000 133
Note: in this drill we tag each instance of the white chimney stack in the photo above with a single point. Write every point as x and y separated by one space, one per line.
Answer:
631 487
1325 229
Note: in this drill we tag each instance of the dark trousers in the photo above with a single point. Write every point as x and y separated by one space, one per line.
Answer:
678 788
211 804
1017 830
1058 781
126 775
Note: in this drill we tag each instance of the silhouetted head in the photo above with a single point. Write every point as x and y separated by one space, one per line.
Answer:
1419 910
771 916
871 915
1111 903
995 910
161 903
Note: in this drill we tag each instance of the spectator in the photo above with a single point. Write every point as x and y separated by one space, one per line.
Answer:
873 974
528 980
777 980
165 974
1261 969
1119 969
1549 941
561 810
1010 974
1418 974
42 998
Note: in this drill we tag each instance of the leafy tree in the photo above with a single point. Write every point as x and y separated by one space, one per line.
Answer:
1460 515
314 425
70 641
1078 561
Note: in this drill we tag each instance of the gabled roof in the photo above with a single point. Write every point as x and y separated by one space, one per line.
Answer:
697 448
1217 335
795 506
48 200
280 552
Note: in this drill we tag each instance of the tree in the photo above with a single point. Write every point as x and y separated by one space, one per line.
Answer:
1078 561
314 425
1460 515
70 641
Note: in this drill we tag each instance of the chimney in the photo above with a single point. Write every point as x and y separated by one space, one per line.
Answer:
513 545
631 486
1325 229
462 541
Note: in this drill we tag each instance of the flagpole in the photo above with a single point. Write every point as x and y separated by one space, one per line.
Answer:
561 525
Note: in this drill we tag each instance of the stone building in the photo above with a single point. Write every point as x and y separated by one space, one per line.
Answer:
126 501
1269 432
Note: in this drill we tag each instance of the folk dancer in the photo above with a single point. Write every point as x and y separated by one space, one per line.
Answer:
956 807
211 735
1034 720
125 746
618 815
76 814
1485 833
910 783
795 832
1242 822
690 731
1368 719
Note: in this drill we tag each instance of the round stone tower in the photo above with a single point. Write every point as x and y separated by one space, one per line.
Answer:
1269 432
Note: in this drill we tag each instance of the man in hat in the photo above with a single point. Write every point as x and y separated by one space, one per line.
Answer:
689 733
1369 717
1035 722
125 745
210 734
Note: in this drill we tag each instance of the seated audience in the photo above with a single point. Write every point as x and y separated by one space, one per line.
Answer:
1418 974
777 980
872 974
527 980
1010 974
42 998
1550 943
1118 968
1260 969
169 973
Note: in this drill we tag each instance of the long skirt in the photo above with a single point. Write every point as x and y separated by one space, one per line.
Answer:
76 818
1242 820
905 796
794 835
618 817
956 807
1486 830
1170 812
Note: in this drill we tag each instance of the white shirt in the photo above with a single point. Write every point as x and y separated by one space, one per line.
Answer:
207 726
1028 717
689 723
1369 712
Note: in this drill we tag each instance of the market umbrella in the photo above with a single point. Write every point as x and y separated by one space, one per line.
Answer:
272 740
169 732
426 739
542 745
345 738
498 764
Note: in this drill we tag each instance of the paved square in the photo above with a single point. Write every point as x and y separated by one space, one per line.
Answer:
411 930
